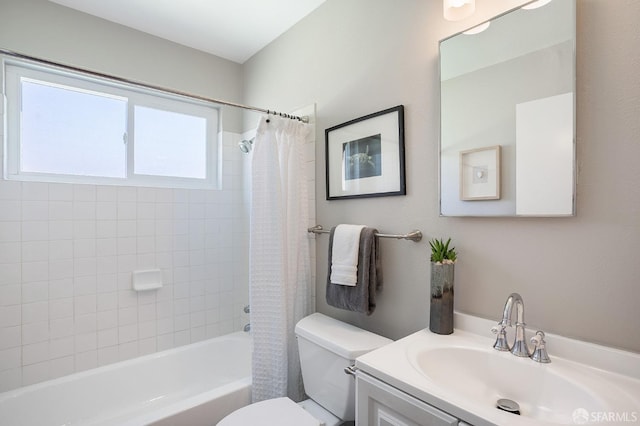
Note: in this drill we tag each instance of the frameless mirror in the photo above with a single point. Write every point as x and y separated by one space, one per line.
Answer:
507 145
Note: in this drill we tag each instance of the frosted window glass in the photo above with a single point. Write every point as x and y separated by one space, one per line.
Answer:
73 132
170 144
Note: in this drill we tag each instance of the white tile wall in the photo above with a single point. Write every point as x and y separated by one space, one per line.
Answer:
66 257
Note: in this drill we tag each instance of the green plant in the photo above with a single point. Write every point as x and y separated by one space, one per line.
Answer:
441 253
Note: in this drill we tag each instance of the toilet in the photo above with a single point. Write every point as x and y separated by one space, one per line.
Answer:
326 346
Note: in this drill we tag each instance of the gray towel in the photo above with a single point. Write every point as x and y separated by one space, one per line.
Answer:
362 297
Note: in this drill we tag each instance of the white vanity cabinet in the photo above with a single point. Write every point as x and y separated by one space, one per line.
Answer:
378 404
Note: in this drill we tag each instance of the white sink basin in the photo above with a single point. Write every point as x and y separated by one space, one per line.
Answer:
487 376
463 375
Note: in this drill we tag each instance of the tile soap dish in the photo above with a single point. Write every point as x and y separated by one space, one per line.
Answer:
150 279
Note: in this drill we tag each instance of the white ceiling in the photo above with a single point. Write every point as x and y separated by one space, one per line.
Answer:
231 29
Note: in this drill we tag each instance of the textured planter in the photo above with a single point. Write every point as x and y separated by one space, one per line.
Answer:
441 312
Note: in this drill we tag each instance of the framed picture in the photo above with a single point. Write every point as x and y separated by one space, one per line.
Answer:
480 174
365 156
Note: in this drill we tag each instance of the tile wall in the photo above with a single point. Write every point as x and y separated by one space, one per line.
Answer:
66 257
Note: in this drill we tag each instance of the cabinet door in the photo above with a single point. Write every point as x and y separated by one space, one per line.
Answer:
378 404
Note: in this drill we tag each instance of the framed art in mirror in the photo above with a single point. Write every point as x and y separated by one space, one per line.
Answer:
480 174
365 156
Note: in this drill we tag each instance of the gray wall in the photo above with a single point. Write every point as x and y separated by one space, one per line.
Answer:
579 276
49 31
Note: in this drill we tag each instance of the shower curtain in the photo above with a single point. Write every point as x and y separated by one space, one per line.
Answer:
279 272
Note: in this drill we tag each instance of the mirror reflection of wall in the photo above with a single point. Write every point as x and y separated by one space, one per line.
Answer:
512 85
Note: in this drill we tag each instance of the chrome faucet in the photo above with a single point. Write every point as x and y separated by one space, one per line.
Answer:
519 347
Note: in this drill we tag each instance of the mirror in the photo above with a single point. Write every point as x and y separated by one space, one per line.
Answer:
507 143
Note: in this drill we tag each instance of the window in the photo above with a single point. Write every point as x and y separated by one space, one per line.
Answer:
65 126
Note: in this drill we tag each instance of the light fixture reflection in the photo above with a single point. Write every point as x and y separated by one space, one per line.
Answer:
478 28
456 10
536 4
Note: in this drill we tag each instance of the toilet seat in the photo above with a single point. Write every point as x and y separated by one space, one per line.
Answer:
272 412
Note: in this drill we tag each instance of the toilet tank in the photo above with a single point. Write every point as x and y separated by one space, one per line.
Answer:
327 346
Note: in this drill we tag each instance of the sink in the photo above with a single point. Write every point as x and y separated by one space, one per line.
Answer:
462 375
488 375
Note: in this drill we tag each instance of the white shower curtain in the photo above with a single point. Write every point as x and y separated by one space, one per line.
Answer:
279 275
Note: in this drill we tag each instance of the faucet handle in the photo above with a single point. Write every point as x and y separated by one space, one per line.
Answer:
540 352
538 340
501 343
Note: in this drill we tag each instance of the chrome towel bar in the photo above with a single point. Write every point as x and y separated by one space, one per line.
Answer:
415 235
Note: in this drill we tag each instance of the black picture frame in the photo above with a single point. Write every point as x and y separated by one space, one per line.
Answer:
365 157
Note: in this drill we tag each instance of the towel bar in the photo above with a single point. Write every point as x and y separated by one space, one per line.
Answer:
414 235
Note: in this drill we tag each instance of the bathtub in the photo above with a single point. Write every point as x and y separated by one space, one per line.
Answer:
197 384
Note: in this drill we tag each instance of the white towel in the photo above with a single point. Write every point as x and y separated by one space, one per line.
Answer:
344 259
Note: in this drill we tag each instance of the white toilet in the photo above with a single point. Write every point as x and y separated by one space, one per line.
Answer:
327 346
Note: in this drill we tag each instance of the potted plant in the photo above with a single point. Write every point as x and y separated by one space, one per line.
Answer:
443 260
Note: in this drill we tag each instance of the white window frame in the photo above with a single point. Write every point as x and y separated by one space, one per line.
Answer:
13 72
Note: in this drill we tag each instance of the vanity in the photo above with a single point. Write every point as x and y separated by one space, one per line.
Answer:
458 379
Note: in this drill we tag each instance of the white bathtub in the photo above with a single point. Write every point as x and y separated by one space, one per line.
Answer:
197 384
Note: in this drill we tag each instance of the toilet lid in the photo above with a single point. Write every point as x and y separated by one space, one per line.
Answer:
272 412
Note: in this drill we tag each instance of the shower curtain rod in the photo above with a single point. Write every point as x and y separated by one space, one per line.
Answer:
304 118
